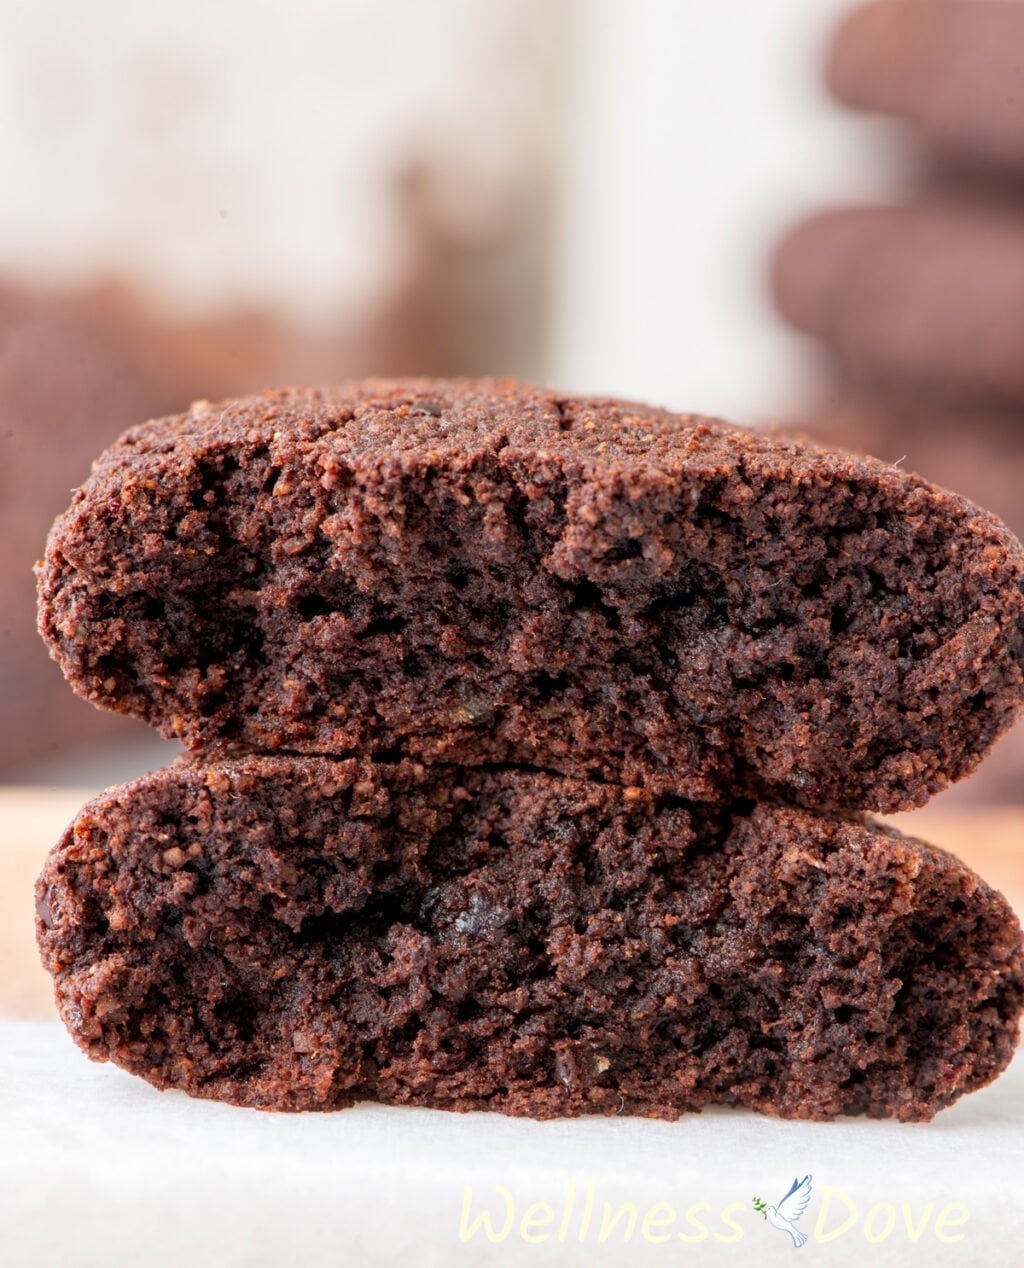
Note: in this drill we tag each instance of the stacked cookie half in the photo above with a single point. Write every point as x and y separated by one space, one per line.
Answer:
530 740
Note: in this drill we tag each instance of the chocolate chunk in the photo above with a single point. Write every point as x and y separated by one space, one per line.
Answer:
43 908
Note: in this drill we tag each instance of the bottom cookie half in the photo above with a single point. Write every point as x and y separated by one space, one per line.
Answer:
303 934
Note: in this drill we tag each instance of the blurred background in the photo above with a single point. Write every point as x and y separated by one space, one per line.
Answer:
804 213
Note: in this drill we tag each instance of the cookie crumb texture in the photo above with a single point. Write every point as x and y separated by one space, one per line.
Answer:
306 933
482 572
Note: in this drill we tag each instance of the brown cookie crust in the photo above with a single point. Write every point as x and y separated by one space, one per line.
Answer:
303 933
467 571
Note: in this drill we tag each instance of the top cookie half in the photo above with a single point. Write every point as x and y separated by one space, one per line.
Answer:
474 572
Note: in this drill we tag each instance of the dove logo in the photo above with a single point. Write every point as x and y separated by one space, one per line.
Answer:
785 1214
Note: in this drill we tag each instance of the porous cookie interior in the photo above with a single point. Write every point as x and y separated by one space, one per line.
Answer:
586 587
302 934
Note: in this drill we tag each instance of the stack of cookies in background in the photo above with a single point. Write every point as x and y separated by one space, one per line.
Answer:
529 739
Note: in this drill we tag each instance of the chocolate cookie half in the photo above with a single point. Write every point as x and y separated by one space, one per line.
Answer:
484 572
302 933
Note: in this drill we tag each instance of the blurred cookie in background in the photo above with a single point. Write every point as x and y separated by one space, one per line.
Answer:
951 69
923 296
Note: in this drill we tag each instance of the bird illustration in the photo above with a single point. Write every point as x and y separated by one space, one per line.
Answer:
785 1215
